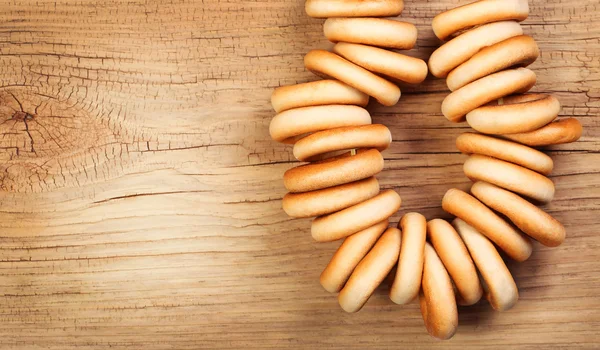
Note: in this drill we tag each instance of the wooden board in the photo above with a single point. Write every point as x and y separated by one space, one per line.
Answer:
140 191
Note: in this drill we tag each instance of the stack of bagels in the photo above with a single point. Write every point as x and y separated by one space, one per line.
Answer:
441 263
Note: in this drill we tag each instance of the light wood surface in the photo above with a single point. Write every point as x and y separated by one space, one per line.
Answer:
140 191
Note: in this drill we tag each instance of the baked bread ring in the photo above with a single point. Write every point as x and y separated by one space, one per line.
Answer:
464 206
514 114
329 200
500 288
287 126
492 87
355 218
325 63
333 172
367 136
371 271
437 300
563 131
458 50
348 255
388 63
455 256
518 51
316 93
371 31
353 8
477 13
407 282
471 143
530 219
509 176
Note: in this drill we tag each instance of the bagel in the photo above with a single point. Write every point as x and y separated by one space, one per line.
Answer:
348 255
509 176
407 282
514 114
388 63
371 271
325 63
477 13
367 136
288 125
333 172
518 51
492 87
371 31
455 256
316 93
500 288
509 151
329 200
563 131
353 8
458 50
526 216
355 218
437 300
464 206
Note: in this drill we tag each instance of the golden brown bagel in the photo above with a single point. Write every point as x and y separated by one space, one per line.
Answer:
514 114
477 13
471 143
329 200
348 255
355 218
388 63
455 256
464 206
492 87
518 51
316 93
500 288
353 8
406 284
526 216
367 136
437 300
458 50
325 63
287 126
563 131
371 31
371 271
509 176
333 172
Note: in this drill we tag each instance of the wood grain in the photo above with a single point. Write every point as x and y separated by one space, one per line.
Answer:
140 191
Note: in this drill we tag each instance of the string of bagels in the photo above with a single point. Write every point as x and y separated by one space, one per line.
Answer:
442 264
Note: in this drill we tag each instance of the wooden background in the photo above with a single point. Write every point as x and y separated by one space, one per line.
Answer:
140 191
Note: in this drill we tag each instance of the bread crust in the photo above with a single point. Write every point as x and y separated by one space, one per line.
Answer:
380 32
456 259
509 176
562 131
513 242
316 93
353 8
500 287
327 64
348 255
530 219
471 143
477 13
387 63
437 300
407 281
371 271
345 222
